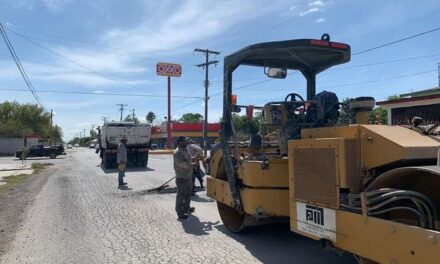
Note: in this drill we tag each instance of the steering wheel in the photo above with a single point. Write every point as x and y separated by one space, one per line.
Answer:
293 97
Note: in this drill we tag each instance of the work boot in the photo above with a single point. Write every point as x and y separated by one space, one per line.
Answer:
123 184
183 217
191 209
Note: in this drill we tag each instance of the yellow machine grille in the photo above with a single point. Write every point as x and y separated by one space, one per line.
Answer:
315 175
352 172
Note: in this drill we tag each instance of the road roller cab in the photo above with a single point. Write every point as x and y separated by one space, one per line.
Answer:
348 185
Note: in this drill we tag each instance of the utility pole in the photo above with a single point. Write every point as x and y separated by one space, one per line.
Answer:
205 65
104 118
84 135
132 115
121 109
50 129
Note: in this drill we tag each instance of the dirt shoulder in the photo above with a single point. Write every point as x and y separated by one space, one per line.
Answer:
15 199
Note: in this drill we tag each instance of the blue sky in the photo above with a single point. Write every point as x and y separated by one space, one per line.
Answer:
124 40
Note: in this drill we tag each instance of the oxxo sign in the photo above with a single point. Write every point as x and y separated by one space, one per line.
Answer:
168 69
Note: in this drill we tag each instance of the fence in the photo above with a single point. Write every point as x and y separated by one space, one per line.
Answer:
8 146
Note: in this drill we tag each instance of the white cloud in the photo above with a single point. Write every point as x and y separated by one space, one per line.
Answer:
320 20
291 8
317 3
190 22
310 11
84 124
55 5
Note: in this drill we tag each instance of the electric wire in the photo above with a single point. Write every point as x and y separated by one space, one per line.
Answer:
102 94
73 61
395 41
19 65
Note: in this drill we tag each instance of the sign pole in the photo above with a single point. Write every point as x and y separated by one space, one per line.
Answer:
169 69
169 114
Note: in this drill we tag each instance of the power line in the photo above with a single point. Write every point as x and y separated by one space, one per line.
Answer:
121 109
72 61
379 80
19 65
102 94
206 65
181 107
78 41
396 41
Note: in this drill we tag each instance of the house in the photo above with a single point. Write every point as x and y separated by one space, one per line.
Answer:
424 104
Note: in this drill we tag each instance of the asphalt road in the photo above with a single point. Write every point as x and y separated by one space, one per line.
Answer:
80 216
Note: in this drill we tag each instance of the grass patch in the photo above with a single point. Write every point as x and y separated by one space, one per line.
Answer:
38 166
11 181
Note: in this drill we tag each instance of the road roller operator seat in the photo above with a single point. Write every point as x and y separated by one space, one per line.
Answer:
286 118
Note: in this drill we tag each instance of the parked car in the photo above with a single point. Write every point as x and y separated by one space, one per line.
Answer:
76 145
153 146
69 146
92 146
40 150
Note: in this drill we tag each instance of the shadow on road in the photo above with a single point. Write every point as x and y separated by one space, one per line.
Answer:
197 198
39 158
128 169
124 188
193 226
284 246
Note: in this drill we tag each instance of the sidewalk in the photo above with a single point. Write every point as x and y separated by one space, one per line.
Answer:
14 169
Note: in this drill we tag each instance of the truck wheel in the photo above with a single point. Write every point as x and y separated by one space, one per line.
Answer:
53 155
105 161
145 161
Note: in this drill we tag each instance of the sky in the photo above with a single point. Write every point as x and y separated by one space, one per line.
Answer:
112 47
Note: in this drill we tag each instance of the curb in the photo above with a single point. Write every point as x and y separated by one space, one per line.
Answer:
165 152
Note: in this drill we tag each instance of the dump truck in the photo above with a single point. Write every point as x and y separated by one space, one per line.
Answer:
371 190
138 144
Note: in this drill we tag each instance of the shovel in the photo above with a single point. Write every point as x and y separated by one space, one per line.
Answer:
160 188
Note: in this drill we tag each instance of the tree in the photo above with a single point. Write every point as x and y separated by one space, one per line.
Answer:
191 118
245 127
379 116
129 118
345 116
393 97
93 134
150 117
18 119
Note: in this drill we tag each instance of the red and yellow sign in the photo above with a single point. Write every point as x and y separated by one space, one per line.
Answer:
168 69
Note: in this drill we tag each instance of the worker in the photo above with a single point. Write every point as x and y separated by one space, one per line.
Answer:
121 159
183 167
196 154
217 146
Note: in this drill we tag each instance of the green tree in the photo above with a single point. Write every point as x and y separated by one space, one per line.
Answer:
129 118
245 127
150 117
17 119
93 134
393 97
379 116
191 118
345 116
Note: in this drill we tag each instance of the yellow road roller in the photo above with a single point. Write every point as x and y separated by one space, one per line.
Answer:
372 190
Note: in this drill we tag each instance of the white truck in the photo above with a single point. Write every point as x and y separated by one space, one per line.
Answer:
138 145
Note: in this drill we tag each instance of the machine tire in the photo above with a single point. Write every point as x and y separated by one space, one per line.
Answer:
52 155
234 220
145 161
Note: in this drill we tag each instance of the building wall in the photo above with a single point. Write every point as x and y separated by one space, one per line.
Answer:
8 146
397 106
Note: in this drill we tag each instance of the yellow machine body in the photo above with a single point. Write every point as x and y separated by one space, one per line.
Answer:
306 186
